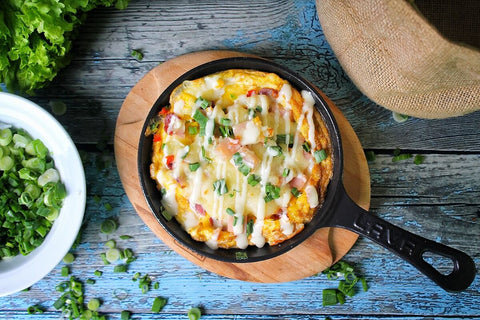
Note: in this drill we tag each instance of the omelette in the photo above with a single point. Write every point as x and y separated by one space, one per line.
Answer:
241 158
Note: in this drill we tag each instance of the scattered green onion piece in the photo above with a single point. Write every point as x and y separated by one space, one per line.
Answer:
125 237
286 172
65 271
241 255
125 315
90 281
158 304
401 157
137 54
108 226
103 255
58 107
370 156
112 255
398 117
156 285
93 304
329 297
194 314
34 309
98 273
418 159
230 212
111 244
120 268
108 206
68 258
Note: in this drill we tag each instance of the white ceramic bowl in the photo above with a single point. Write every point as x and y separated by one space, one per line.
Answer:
21 272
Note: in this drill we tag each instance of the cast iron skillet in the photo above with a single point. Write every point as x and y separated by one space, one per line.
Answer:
338 210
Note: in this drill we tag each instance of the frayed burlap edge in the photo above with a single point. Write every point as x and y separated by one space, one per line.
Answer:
397 59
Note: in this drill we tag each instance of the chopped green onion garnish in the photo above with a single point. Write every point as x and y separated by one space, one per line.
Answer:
249 227
90 281
230 212
271 192
202 121
98 273
306 146
286 172
282 139
125 237
225 121
192 130
241 255
204 155
295 192
158 304
194 314
194 166
202 103
253 180
320 155
244 169
220 187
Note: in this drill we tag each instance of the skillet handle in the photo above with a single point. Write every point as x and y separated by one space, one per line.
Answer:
405 244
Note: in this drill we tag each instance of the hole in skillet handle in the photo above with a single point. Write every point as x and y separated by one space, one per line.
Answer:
153 195
412 248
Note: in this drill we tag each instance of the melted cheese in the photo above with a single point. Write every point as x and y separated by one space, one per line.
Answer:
254 173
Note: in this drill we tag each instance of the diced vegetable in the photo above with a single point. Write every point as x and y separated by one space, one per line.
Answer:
31 192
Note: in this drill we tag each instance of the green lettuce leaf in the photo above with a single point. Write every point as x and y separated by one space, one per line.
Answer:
36 37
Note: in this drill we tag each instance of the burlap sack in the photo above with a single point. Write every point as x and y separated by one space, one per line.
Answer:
399 60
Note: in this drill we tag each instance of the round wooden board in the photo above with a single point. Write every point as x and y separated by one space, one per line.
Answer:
318 252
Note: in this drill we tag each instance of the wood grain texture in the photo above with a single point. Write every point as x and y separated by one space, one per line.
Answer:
438 199
103 71
324 247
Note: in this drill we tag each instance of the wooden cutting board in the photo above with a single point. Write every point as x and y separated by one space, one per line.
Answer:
318 252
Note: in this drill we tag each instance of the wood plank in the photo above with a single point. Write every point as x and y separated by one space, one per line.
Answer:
103 71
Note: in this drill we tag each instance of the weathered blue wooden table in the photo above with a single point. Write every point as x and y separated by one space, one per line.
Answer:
438 199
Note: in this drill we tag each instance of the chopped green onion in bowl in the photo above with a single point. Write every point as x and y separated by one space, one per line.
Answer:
49 146
31 192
